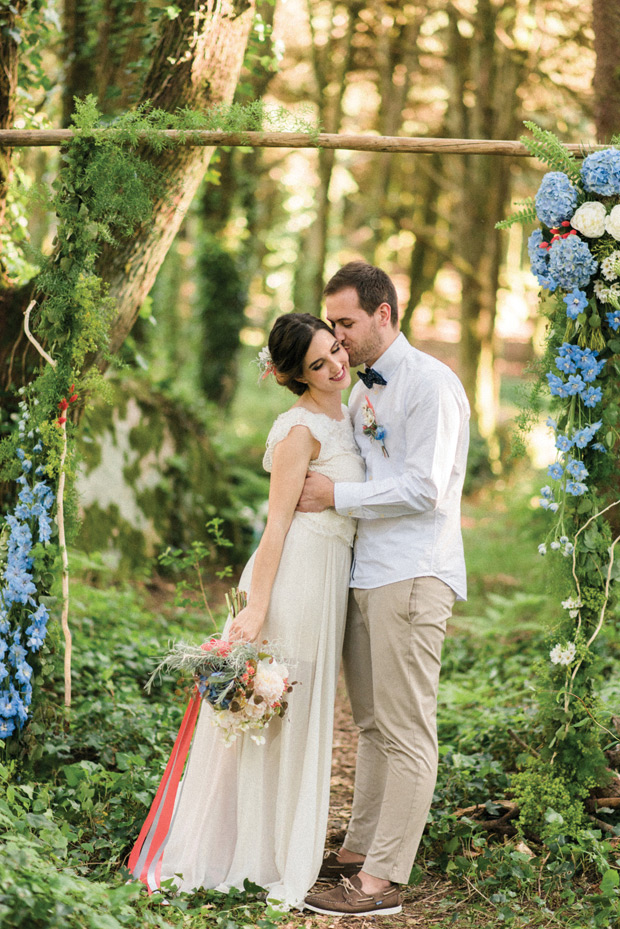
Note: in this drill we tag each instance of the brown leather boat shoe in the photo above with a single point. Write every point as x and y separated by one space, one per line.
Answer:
348 898
333 869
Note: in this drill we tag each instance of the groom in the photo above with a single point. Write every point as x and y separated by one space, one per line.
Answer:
410 416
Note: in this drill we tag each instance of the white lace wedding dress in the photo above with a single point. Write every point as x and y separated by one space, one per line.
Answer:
260 811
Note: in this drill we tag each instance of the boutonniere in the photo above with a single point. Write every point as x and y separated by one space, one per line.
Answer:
371 427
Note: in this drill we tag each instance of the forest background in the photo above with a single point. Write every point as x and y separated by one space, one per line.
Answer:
241 235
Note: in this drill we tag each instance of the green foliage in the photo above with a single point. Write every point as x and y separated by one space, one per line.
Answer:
547 148
524 216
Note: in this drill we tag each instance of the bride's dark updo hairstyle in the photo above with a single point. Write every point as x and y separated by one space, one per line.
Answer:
289 340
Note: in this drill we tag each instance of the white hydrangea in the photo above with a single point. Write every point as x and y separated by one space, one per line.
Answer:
612 223
563 655
589 219
610 266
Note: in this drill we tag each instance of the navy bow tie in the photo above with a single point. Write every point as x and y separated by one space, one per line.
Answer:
369 376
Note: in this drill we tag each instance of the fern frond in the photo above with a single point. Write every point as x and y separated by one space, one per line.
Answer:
547 148
527 215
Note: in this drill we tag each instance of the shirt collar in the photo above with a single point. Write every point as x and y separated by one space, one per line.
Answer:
387 363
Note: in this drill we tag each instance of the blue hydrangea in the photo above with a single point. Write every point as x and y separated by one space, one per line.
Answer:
565 364
556 199
576 302
555 471
600 172
590 367
571 263
539 261
576 488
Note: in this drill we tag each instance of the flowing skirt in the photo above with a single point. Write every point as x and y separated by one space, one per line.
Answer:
260 811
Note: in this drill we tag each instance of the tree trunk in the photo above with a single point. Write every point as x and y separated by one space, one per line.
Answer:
606 23
9 56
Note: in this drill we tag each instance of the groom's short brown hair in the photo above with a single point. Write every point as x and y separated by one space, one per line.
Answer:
373 287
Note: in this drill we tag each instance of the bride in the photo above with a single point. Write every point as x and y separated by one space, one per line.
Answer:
260 811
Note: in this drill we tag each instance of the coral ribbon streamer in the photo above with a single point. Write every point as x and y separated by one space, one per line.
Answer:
149 848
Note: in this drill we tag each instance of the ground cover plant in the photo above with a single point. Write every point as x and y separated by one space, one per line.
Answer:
79 801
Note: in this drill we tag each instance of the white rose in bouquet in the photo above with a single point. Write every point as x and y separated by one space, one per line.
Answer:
589 219
612 223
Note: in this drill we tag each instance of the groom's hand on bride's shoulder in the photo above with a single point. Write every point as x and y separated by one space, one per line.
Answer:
317 495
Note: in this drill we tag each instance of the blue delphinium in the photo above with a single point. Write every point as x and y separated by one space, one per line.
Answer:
556 199
576 302
591 396
613 320
571 263
17 594
600 172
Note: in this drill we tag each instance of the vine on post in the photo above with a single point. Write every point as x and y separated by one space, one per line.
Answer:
575 256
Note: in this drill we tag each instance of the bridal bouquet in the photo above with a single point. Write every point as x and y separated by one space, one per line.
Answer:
244 685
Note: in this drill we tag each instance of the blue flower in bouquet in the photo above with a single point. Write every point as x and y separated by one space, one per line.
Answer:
597 447
4 671
576 302
556 199
217 683
592 396
576 488
613 320
577 469
552 423
539 260
600 172
571 263
590 367
555 471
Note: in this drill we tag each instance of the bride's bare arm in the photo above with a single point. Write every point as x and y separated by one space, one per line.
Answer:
291 458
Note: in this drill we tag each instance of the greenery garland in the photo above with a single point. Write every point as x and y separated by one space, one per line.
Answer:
575 255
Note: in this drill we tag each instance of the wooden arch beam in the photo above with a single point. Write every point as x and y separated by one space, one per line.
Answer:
39 138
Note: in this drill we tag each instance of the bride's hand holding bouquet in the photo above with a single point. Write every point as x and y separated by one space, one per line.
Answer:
247 625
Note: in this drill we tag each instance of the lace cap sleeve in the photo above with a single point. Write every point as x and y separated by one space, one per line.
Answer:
297 416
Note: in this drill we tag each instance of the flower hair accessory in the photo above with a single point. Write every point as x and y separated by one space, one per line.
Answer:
265 363
371 427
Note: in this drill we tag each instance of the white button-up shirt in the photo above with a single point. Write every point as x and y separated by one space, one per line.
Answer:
409 509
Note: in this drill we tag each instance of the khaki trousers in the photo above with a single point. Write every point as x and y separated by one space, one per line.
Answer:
392 658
